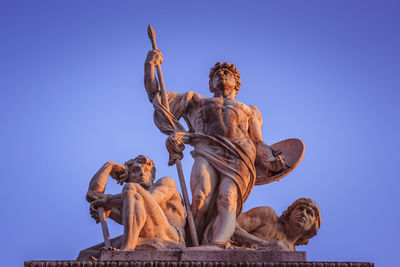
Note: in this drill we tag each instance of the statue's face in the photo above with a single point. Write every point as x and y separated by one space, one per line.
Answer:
302 218
224 83
140 172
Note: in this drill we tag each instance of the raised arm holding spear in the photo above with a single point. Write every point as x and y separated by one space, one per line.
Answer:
172 126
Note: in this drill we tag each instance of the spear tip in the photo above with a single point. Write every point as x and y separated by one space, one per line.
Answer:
151 32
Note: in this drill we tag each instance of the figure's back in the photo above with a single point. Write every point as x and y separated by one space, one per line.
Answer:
262 222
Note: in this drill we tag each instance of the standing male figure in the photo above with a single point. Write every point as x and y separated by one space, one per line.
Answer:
145 209
227 140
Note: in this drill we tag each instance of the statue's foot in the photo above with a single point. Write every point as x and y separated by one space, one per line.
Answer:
223 245
111 249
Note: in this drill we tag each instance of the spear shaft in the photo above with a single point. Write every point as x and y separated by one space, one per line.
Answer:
164 100
152 36
106 235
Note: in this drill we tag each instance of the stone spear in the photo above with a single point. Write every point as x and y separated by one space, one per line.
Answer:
104 227
164 101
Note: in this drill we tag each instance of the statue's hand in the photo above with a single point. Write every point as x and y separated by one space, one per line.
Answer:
277 164
269 158
92 196
154 57
175 144
94 209
118 172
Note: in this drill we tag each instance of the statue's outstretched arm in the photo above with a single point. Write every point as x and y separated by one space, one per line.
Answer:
247 239
154 58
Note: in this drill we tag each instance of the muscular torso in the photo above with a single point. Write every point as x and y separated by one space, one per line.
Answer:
173 210
172 206
220 116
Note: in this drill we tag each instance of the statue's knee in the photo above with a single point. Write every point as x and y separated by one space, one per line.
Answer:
129 189
198 197
227 200
198 201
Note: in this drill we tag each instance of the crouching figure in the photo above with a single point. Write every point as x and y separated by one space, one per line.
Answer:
144 208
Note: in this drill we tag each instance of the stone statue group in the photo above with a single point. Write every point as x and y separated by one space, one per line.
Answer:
229 153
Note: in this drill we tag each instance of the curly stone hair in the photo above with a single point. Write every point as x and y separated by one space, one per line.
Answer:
303 240
225 65
144 160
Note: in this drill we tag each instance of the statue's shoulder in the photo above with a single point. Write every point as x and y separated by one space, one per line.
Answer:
188 97
165 181
254 110
262 212
255 113
195 96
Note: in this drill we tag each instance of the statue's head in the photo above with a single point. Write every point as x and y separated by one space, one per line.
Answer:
224 79
141 170
302 216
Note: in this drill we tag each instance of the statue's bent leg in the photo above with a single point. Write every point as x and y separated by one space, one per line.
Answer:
225 222
133 215
203 181
143 217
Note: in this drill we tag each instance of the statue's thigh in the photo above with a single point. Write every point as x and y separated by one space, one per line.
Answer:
204 177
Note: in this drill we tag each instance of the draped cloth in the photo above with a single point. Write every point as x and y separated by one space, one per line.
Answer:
230 158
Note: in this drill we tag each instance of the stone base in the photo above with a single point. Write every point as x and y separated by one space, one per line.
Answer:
191 264
198 257
204 254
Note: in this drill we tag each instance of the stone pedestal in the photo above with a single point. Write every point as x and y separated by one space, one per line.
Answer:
203 255
191 264
199 257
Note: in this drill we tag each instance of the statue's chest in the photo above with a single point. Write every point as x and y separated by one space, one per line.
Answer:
214 108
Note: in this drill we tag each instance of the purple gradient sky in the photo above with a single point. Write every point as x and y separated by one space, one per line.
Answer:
326 72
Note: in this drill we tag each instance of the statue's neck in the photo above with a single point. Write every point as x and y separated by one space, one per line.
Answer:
227 96
292 237
146 186
288 237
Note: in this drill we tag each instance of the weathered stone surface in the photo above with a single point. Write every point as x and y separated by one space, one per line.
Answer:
144 244
192 264
206 254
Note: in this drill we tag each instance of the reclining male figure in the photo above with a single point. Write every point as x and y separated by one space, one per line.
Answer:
261 227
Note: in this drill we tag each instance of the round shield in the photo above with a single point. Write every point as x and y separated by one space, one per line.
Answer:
293 152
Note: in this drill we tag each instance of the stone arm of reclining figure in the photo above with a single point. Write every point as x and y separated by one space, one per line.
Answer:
98 183
246 239
251 225
264 154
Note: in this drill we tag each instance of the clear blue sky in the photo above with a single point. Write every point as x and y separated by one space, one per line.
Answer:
72 91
